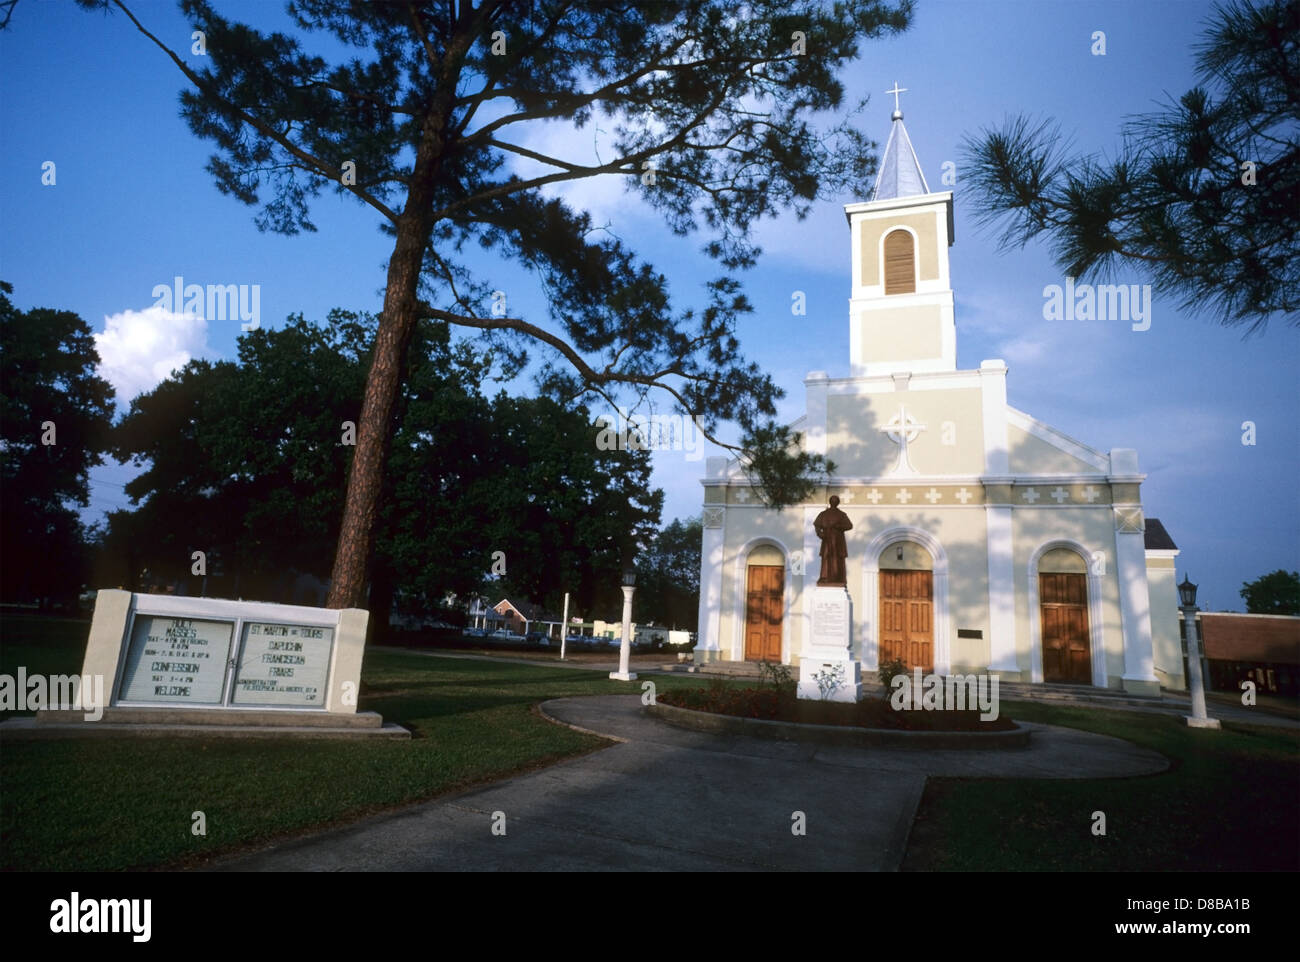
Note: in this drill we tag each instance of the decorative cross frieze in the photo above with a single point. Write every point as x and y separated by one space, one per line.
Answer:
963 495
874 496
743 495
1060 494
1030 495
903 496
933 496
1091 493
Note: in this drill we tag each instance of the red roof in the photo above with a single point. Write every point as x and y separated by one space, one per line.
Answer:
1254 638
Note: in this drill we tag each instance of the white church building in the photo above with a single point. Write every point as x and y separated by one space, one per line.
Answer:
982 540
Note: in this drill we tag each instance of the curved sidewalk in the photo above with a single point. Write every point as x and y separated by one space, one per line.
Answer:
666 799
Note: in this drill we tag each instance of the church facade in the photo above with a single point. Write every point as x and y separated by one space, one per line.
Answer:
982 539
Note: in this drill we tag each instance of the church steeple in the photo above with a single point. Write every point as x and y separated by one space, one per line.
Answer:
901 310
900 172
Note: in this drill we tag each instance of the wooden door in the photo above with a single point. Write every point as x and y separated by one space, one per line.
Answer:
907 618
764 604
1067 654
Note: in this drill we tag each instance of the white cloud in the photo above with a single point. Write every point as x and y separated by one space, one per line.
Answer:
605 196
1022 350
140 349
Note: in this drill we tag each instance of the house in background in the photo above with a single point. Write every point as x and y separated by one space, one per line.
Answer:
517 617
1264 649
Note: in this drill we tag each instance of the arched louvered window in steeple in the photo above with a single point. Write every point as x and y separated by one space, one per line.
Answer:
900 263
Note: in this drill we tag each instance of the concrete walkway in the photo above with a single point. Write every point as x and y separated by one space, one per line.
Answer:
665 799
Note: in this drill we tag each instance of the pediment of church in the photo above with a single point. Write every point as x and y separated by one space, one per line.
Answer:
1037 448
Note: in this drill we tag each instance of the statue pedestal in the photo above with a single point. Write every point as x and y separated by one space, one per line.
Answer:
827 651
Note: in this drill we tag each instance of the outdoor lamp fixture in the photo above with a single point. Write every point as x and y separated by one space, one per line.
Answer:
898 553
625 646
1195 683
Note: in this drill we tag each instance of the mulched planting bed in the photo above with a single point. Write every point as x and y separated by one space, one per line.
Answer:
768 704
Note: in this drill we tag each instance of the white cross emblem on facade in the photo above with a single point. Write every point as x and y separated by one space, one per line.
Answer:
903 429
1030 495
933 496
1060 494
963 495
847 497
1090 493
742 495
904 496
874 496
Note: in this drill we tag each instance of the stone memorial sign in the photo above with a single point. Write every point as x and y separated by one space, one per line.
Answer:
181 660
219 668
212 655
283 664
208 653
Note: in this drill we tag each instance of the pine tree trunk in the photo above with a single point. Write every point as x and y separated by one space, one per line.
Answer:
366 478
396 324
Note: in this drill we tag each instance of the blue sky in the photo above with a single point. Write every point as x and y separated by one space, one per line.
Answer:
133 207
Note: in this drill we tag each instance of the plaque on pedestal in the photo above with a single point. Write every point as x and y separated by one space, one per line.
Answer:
826 667
832 618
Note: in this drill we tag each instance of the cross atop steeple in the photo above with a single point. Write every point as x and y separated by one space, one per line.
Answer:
900 171
896 91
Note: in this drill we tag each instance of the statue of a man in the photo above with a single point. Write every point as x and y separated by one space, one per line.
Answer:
830 526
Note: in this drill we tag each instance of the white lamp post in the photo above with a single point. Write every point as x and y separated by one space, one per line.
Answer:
564 626
625 649
1198 717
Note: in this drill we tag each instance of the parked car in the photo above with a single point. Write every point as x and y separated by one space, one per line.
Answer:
505 634
538 638
475 633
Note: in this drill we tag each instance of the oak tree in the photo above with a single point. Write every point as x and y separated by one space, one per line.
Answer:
55 415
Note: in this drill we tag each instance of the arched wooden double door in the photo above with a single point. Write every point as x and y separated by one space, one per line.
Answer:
907 618
1067 651
764 608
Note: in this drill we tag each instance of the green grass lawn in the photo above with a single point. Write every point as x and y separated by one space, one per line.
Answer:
53 646
1228 803
116 804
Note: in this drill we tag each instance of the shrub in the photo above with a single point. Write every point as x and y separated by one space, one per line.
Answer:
829 679
887 672
778 677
